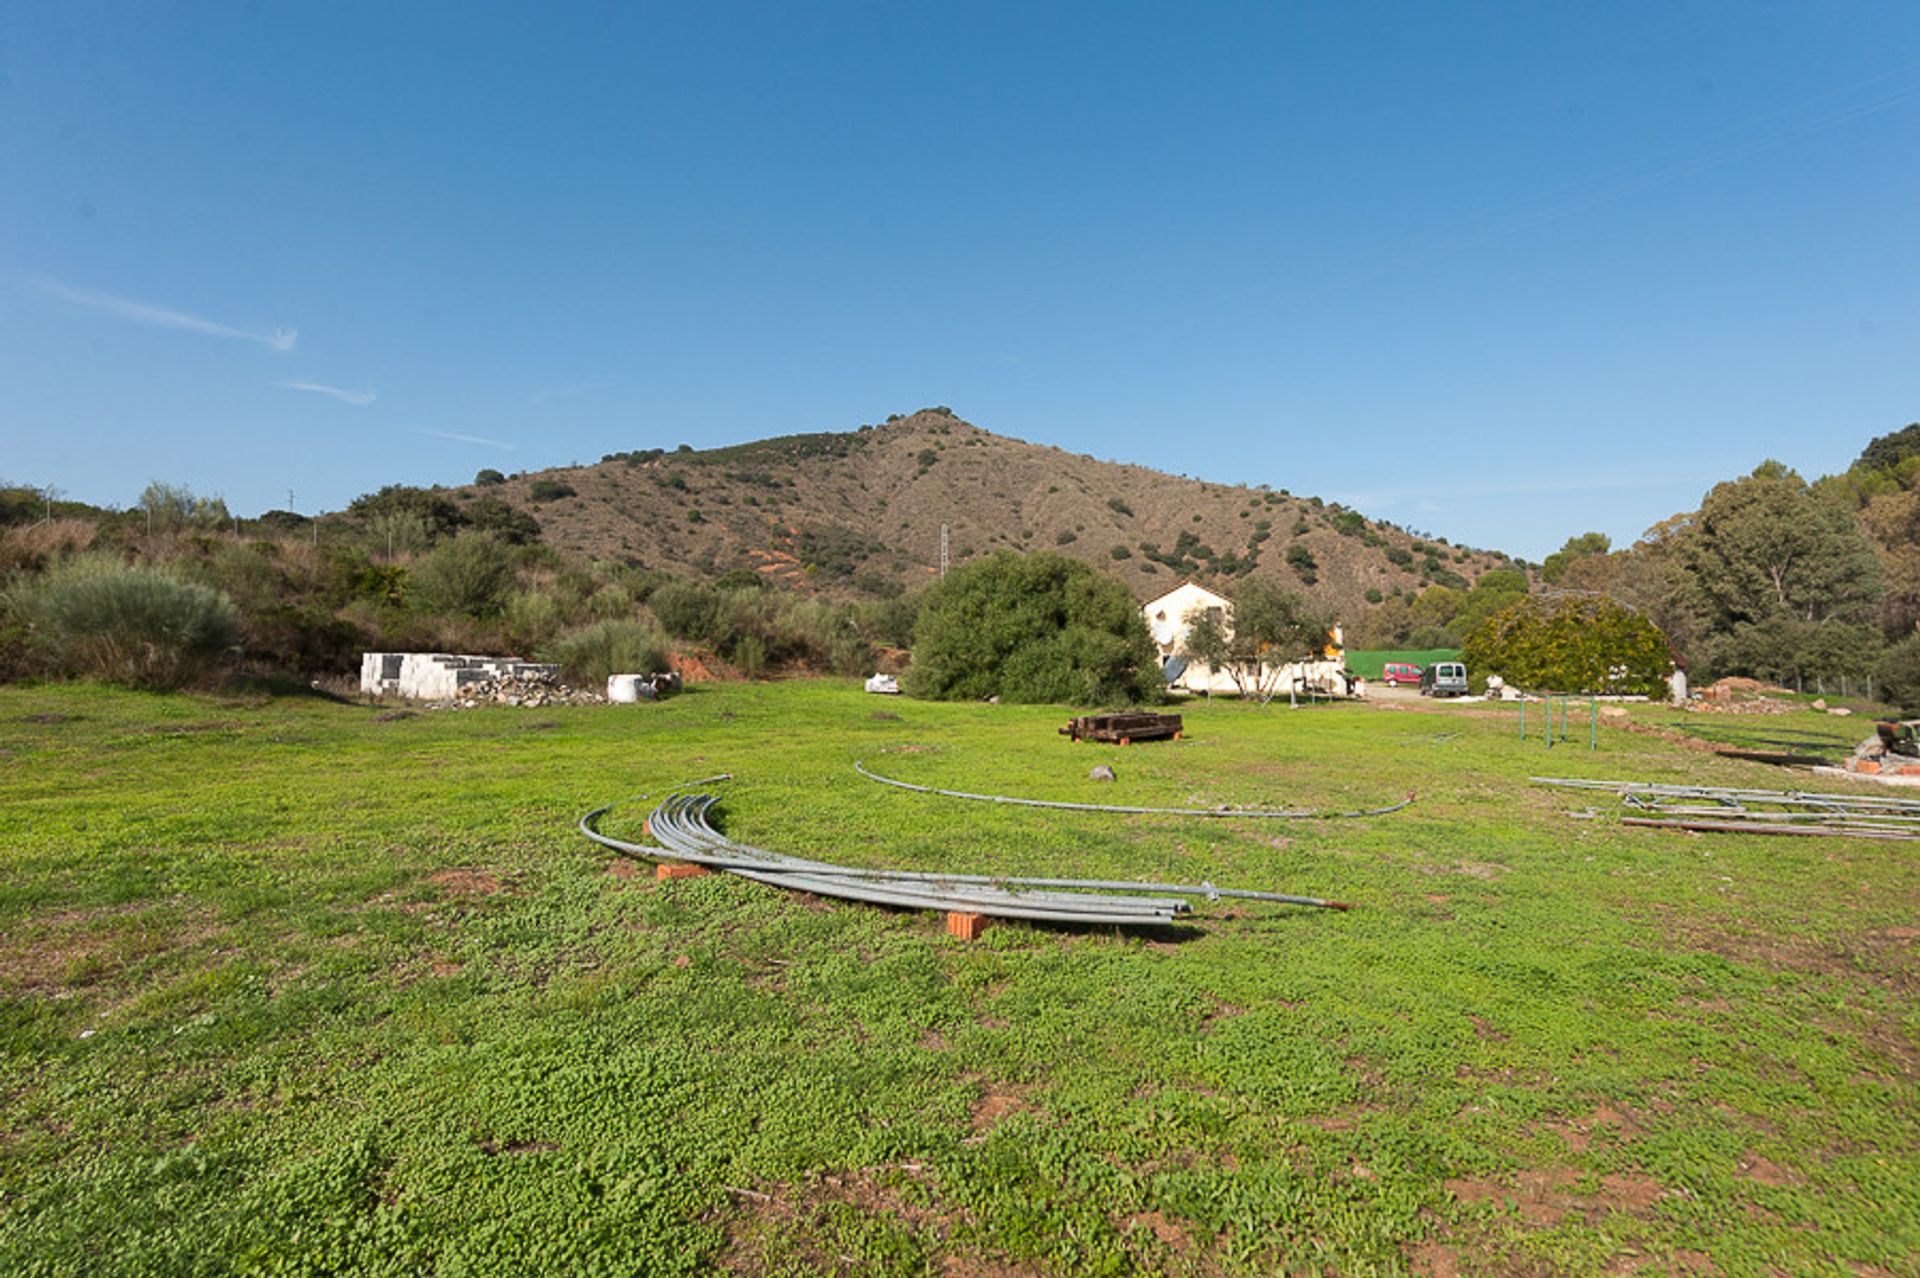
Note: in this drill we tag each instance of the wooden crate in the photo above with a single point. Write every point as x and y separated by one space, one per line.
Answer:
1123 729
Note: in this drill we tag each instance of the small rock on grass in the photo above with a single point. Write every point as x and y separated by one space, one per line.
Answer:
1101 773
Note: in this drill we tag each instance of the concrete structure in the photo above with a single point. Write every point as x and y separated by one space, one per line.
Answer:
439 676
1167 621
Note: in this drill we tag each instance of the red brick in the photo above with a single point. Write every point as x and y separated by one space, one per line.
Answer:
967 927
677 870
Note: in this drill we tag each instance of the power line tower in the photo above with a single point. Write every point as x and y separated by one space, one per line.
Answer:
943 551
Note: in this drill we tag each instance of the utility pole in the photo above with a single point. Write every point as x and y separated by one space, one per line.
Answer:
943 552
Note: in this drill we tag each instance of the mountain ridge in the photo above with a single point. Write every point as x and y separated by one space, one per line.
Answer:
860 511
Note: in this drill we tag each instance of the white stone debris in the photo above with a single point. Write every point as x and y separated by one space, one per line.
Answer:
626 689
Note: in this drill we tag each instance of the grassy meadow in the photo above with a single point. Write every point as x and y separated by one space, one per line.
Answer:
299 987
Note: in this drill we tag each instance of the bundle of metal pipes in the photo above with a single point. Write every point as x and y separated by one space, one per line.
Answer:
1727 810
680 825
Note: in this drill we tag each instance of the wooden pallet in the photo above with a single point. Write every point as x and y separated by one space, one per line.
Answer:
1123 729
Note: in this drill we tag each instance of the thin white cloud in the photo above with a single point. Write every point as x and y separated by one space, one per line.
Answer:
552 393
358 398
280 339
469 439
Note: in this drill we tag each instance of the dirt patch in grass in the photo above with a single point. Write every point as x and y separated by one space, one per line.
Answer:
1484 1030
57 954
1221 1011
1545 1196
46 718
396 716
1170 1232
1432 1259
793 1228
995 1102
1886 960
1763 1171
186 729
1605 1120
467 880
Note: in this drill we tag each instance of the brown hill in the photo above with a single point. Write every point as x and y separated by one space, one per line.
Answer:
860 512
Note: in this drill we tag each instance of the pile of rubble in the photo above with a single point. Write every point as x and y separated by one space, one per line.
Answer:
1892 751
1734 695
530 690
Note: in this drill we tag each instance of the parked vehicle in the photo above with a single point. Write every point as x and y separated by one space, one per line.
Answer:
1444 679
1400 672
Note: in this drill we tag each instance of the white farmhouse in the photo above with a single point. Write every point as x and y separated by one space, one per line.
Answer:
1167 620
1167 616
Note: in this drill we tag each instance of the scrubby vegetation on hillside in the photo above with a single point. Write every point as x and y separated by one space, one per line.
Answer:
94 592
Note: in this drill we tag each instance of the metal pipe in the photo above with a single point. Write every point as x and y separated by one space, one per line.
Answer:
679 823
694 839
1808 798
686 834
1262 813
1754 827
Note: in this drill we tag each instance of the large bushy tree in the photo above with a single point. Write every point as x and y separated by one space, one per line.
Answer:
1570 643
1032 628
1778 578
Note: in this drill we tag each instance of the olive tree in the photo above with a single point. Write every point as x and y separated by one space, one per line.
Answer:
1033 628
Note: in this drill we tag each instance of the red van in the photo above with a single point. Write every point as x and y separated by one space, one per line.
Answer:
1401 672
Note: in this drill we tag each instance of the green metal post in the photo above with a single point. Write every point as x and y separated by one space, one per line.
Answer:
1593 725
1548 698
1523 715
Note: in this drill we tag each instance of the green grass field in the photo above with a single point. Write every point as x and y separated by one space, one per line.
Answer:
1370 663
296 987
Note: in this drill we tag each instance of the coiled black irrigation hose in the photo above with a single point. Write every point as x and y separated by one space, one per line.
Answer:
679 825
1278 814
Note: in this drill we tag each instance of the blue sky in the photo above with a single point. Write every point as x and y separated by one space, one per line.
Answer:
1503 273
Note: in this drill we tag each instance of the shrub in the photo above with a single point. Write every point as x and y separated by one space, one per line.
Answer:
1119 507
1117 553
488 477
1900 674
529 620
591 653
469 575
128 624
33 546
688 610
549 489
740 579
1065 537
431 512
1301 560
1036 628
509 523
